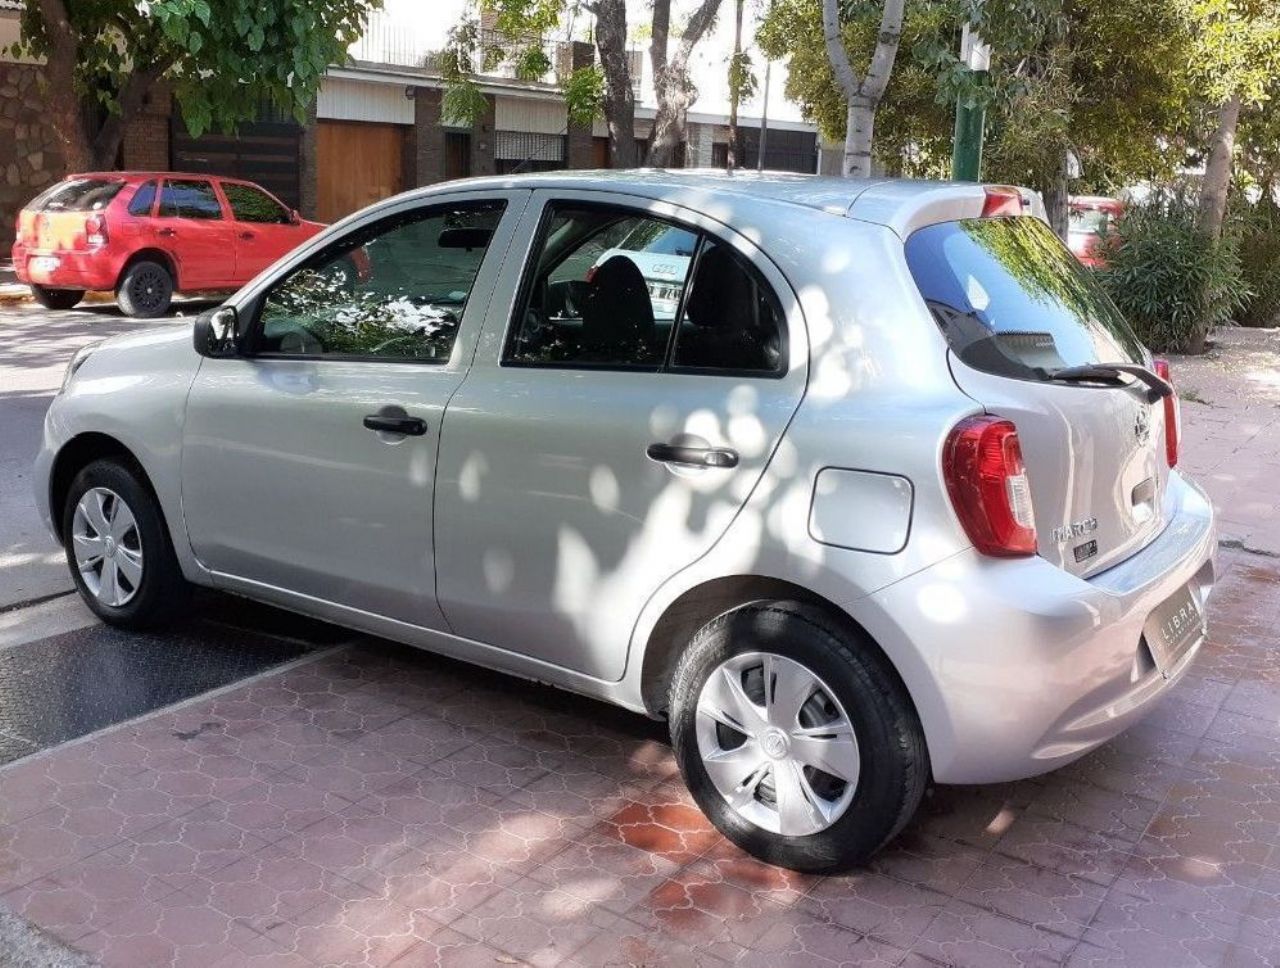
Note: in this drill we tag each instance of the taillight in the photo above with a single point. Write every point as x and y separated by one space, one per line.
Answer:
987 481
1001 200
95 230
1172 417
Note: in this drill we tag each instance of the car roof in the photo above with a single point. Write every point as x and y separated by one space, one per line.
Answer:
902 204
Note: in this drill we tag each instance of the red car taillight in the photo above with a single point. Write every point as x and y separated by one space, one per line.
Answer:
95 230
987 481
1172 417
1001 200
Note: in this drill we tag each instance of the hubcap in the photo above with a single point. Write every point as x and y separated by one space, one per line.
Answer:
107 546
777 743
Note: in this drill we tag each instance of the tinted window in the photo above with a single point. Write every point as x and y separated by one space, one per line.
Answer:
594 296
396 289
77 195
142 199
249 204
189 199
731 320
1011 298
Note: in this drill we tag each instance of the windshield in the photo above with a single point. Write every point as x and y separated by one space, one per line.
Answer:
1086 220
1011 299
78 195
660 240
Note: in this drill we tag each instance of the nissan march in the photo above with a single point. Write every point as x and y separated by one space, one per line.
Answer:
890 498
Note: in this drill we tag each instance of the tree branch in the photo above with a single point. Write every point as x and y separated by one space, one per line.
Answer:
846 76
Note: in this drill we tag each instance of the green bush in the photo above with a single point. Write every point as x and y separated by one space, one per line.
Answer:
1258 229
1172 282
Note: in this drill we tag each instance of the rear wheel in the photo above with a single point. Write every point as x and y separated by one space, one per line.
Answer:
56 298
118 548
795 737
146 290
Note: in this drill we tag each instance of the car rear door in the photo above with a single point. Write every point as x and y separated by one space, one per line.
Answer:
264 228
191 225
589 456
1015 306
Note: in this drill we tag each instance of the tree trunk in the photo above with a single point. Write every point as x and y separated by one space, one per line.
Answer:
860 122
1055 200
65 112
674 88
734 93
1217 169
619 99
862 96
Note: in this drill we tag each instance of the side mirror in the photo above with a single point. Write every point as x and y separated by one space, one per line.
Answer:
216 332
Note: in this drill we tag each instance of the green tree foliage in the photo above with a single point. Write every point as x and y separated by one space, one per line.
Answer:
222 58
1256 227
1173 282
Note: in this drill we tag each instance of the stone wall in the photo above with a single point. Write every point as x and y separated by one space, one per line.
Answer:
30 156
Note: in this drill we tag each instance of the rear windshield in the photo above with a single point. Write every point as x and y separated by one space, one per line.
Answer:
78 195
1012 300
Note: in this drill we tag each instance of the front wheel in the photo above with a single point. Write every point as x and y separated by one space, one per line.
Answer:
145 290
796 738
118 548
56 298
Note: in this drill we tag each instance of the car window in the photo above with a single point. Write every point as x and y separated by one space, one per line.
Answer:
142 199
77 195
594 296
249 204
189 199
731 318
1012 300
394 290
1085 220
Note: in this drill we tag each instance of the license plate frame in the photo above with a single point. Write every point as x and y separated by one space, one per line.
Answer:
1174 627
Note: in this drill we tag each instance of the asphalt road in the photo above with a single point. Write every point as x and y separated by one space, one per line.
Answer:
35 345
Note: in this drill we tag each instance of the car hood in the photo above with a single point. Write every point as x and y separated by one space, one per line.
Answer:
162 352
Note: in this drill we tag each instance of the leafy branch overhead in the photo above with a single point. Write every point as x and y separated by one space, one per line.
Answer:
222 59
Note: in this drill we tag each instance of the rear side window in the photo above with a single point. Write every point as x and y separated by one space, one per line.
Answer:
78 195
189 199
142 199
1012 300
249 204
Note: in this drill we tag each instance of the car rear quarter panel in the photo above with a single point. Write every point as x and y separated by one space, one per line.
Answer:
880 399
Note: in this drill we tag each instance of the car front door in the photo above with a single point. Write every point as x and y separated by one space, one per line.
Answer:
308 463
192 227
264 228
599 445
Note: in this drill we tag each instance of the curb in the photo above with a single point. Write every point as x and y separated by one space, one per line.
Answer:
12 294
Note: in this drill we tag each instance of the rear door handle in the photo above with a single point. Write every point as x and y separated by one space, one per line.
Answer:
166 233
693 456
409 426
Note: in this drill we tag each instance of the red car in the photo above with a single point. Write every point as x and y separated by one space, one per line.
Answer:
148 235
1090 217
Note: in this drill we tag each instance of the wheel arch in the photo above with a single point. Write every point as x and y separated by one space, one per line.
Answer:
151 255
76 454
699 605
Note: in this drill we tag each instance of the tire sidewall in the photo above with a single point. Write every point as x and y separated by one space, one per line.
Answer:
125 298
154 600
864 688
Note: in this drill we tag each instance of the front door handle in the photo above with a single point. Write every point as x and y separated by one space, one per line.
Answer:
392 424
693 456
166 233
246 236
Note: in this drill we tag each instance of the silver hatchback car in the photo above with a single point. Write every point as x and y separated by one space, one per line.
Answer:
888 498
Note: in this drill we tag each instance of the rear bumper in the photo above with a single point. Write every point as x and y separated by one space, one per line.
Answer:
62 269
1018 667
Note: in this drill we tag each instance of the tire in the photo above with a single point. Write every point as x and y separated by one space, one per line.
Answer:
888 758
155 592
145 290
56 298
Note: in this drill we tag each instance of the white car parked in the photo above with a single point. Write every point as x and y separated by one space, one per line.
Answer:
885 494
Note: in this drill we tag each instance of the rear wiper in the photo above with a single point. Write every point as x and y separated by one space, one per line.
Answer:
1157 389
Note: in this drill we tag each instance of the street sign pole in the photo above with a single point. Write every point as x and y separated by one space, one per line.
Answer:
966 146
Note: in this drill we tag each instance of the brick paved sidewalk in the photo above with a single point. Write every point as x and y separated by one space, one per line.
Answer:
379 806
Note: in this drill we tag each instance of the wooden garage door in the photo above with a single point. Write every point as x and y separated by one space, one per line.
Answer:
357 163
